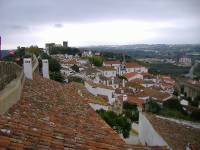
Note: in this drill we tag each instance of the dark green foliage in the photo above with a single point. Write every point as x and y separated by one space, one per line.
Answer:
173 104
197 71
33 50
176 93
64 50
152 106
112 56
96 60
131 111
75 79
196 114
54 65
118 122
54 68
57 76
75 68
196 101
167 69
17 57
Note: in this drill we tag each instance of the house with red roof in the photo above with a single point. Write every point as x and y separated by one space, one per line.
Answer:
134 67
133 76
113 63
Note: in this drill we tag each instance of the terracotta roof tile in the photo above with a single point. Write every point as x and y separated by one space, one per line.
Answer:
54 116
175 134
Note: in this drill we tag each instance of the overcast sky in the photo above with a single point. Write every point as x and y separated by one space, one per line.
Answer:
97 22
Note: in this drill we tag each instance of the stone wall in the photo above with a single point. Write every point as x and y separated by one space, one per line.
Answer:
11 84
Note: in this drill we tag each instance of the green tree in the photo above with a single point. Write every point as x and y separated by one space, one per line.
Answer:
118 122
130 111
196 114
75 68
96 60
54 67
173 104
64 50
33 50
57 76
75 79
152 106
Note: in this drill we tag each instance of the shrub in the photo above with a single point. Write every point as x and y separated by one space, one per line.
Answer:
118 122
196 114
152 106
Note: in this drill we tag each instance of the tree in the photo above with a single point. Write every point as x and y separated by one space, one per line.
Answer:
152 106
54 68
33 50
75 79
196 101
96 60
130 111
75 68
173 104
57 76
64 50
118 122
196 114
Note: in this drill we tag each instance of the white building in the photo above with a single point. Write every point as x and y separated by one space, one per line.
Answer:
100 89
185 61
133 76
133 67
108 71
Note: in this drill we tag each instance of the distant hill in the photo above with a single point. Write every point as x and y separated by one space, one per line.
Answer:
146 47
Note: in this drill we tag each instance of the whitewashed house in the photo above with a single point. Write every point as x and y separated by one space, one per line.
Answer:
108 71
133 76
100 89
115 64
134 67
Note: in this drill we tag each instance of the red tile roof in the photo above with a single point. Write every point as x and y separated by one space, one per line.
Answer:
54 116
130 74
175 134
135 100
132 65
112 62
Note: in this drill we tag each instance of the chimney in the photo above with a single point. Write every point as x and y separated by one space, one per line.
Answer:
107 82
123 83
28 70
45 68
125 98
112 80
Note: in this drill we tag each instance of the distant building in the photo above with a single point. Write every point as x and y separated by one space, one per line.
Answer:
185 61
133 75
65 44
134 67
116 64
108 71
49 45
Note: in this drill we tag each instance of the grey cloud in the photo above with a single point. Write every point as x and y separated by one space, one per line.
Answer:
20 15
58 25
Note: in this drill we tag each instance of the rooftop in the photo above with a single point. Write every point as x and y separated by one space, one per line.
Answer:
54 116
175 134
153 93
132 65
131 74
107 69
110 62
